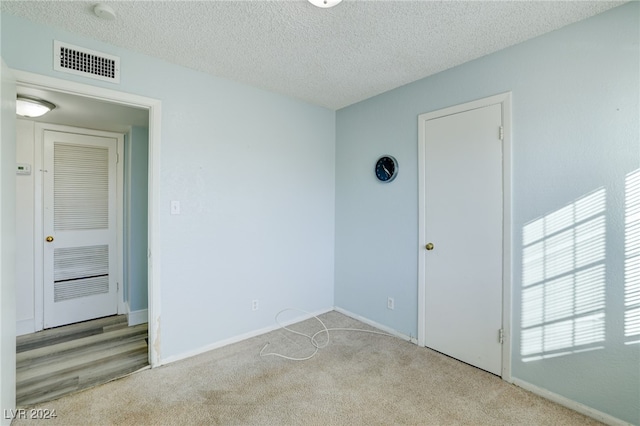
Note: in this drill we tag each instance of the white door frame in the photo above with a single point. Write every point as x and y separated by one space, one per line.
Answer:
505 100
155 114
38 214
7 242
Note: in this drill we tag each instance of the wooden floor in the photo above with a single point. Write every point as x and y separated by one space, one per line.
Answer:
61 360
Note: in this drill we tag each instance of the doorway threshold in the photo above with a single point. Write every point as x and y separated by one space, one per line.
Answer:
62 360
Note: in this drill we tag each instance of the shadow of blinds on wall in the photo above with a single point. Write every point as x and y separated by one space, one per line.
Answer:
632 258
563 297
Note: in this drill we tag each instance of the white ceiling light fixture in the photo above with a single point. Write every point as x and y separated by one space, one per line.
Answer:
103 11
27 106
324 3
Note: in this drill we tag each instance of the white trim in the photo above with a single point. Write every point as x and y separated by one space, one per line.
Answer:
38 232
507 237
155 117
569 403
120 222
242 337
505 100
7 243
154 286
138 317
377 325
25 327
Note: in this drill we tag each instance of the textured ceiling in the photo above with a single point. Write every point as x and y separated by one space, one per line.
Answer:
329 57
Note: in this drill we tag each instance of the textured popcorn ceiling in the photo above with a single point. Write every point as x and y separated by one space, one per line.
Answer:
330 57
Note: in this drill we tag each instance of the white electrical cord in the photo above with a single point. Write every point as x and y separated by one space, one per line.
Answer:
312 338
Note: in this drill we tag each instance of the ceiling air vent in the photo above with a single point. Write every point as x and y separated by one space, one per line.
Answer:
85 62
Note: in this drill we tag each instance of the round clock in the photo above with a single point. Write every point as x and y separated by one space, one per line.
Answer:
386 168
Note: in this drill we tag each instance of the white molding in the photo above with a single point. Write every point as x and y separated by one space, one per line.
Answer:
138 317
507 236
569 403
505 100
25 327
241 337
154 268
376 325
155 118
120 223
38 231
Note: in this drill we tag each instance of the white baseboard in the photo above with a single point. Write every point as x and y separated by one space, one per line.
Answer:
379 326
138 317
569 403
240 337
27 326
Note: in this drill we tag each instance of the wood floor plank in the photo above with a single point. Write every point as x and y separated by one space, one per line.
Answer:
47 393
85 357
26 359
92 352
114 369
69 332
67 359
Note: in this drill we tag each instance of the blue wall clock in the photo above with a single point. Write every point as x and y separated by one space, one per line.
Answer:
386 168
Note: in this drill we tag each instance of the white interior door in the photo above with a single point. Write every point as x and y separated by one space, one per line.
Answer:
79 223
463 207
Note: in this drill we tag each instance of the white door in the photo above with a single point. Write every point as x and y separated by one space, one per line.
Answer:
463 207
79 202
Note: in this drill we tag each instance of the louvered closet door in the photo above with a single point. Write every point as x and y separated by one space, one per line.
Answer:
79 228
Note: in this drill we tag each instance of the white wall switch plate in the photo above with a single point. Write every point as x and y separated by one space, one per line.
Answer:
175 207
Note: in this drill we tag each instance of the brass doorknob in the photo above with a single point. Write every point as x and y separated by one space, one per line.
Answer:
429 246
49 238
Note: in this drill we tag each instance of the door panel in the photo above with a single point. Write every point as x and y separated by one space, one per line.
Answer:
80 266
463 193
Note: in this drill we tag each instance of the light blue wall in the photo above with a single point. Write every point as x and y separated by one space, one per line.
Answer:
575 131
136 182
254 172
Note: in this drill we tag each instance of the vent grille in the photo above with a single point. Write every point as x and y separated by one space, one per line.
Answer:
81 194
80 272
85 62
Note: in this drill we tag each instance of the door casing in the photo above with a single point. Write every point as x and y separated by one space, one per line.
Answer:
154 106
7 242
505 100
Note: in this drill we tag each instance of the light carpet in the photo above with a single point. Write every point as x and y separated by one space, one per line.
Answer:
357 379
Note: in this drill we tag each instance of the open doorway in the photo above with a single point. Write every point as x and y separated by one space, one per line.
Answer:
137 119
82 212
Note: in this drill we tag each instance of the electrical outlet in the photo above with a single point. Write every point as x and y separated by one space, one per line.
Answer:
254 305
390 303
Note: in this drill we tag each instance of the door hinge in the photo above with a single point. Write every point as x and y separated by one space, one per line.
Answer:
501 336
501 133
117 157
117 286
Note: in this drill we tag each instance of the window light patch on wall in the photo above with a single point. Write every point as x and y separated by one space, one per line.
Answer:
563 297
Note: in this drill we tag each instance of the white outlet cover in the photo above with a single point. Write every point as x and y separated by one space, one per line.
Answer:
175 207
